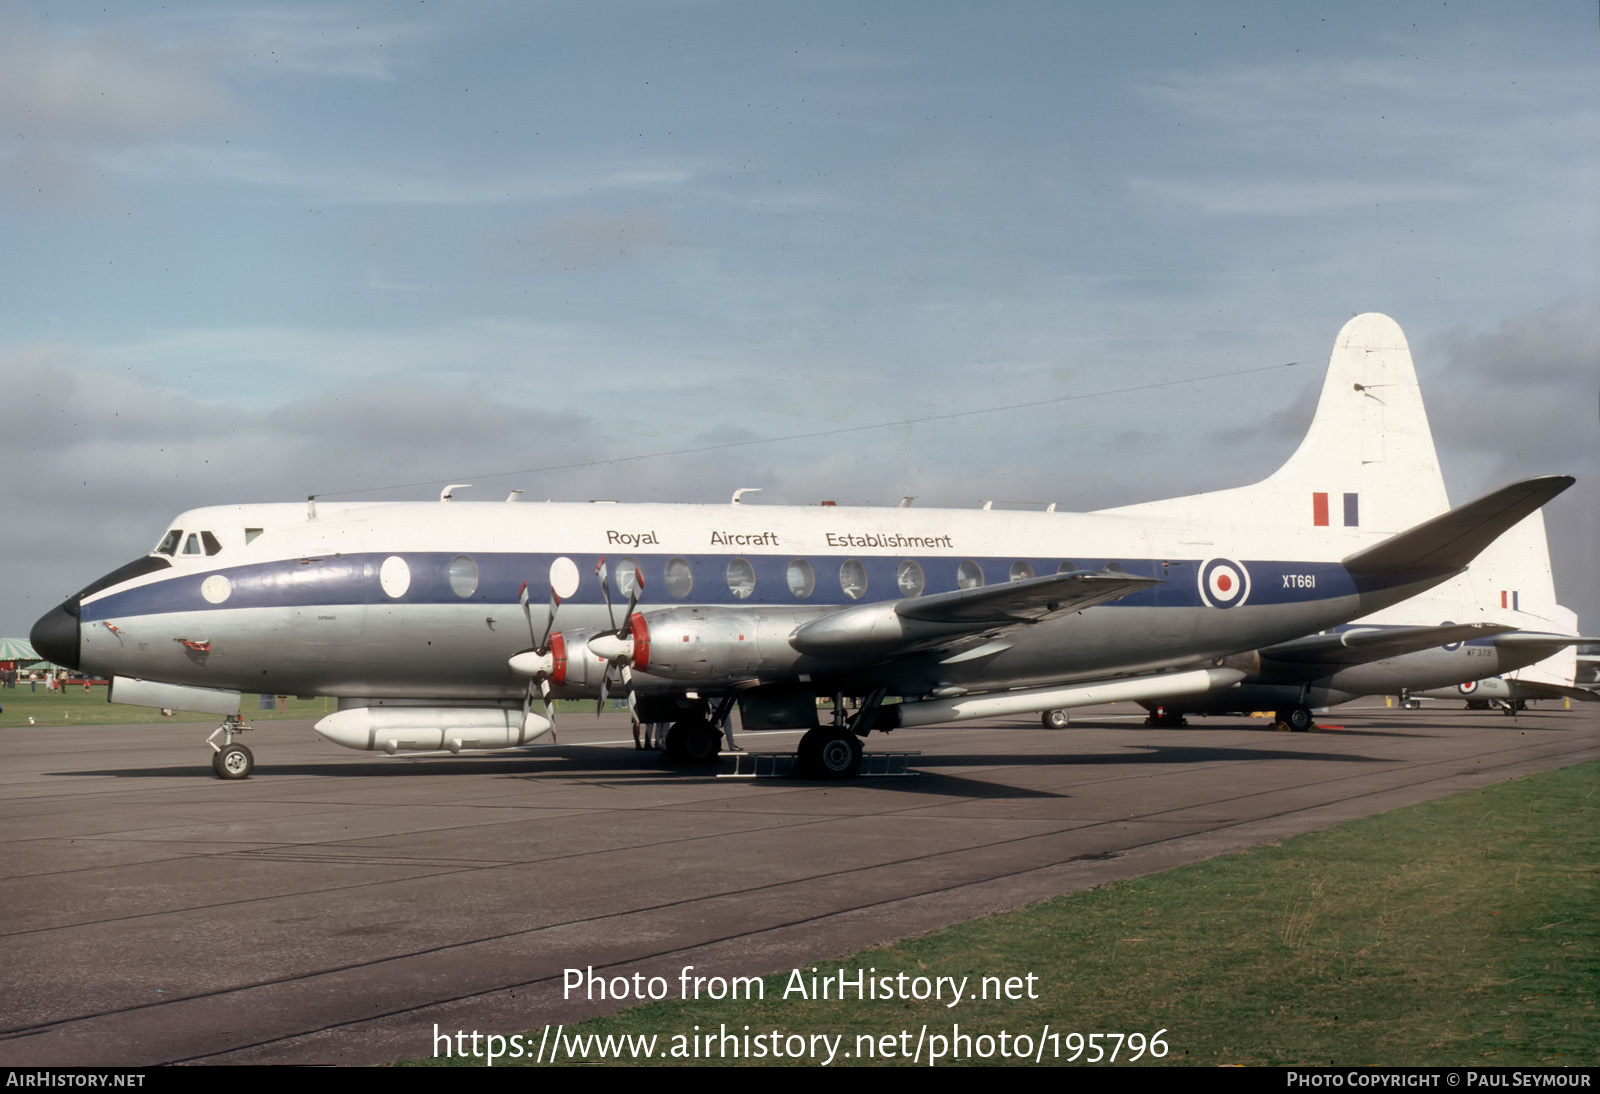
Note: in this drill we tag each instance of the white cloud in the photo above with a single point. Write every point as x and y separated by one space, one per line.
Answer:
110 84
169 160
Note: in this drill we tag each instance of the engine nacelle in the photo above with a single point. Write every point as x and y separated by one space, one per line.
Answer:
702 644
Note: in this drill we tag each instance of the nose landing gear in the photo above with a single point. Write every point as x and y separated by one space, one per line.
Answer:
230 760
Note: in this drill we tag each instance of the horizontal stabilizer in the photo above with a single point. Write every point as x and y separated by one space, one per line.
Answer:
1530 689
1445 544
1359 645
1026 600
1541 640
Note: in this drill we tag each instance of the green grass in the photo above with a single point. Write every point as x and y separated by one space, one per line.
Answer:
1464 931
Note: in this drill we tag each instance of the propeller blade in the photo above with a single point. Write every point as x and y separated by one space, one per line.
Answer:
605 590
527 613
605 690
549 623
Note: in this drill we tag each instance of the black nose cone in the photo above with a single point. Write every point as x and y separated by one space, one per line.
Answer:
55 636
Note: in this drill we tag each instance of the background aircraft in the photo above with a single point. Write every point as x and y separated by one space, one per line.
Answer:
419 617
1498 617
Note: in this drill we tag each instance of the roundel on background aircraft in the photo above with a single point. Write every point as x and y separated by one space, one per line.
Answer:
1468 688
1224 583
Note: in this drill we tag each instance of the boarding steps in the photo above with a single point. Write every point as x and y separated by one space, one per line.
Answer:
780 765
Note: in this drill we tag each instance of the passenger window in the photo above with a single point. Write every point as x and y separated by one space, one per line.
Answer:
250 535
1066 567
1115 567
853 579
969 575
679 578
463 576
802 580
1021 571
169 542
628 582
741 579
908 578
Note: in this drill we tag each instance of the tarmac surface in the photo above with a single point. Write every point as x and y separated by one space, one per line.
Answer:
337 906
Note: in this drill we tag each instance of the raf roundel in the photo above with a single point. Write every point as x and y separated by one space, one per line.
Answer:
1224 583
1468 688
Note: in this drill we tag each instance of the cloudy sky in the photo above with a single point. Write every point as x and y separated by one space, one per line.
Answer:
258 251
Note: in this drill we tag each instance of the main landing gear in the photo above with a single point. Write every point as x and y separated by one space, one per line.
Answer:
693 740
696 738
1297 719
834 751
828 752
1055 719
230 760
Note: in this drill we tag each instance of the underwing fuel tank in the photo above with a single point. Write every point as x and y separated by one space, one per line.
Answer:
432 729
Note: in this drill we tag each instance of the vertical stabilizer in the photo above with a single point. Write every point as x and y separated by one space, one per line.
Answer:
1368 459
1367 464
1509 583
1512 580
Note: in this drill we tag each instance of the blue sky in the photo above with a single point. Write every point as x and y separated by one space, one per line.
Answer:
259 251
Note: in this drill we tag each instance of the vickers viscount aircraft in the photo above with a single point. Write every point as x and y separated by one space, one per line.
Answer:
419 617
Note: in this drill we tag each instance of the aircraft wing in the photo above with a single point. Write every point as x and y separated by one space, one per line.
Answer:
1358 645
1025 601
890 629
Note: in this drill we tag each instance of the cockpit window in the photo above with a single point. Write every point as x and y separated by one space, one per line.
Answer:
169 542
212 546
191 546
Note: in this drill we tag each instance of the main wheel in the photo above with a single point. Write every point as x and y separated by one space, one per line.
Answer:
233 762
692 741
1298 719
829 754
1055 719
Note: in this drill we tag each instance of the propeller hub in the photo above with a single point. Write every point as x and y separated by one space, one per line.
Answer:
609 647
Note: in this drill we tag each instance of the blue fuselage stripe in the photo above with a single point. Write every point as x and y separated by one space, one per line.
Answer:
353 579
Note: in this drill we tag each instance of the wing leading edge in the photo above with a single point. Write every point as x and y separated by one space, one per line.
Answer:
922 623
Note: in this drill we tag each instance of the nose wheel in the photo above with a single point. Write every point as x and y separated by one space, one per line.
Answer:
230 759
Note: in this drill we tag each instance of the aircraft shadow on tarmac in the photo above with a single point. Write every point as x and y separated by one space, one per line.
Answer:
575 763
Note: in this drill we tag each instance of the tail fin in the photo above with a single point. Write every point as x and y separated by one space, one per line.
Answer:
1512 579
1366 464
